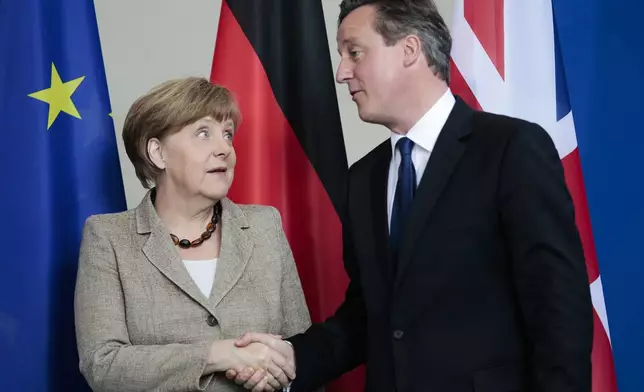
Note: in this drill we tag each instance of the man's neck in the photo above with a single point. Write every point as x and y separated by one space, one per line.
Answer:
419 101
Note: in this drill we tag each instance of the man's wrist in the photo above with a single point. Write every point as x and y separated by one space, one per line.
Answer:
288 387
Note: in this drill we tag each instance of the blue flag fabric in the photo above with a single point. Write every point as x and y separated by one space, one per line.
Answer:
60 164
601 44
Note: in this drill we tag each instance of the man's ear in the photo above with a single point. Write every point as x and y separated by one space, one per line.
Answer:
155 152
413 49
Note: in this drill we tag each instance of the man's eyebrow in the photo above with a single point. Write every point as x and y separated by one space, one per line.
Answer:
346 42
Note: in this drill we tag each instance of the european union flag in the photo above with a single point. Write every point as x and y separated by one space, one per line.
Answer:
59 164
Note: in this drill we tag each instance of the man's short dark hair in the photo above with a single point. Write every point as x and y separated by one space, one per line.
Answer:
396 19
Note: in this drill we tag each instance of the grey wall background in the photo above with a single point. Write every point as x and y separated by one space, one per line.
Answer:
146 42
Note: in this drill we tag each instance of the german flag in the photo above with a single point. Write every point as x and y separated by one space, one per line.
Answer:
274 55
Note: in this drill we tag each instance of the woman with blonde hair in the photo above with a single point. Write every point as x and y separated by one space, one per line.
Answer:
164 289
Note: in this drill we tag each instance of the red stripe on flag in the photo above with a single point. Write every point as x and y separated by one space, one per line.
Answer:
273 169
604 379
575 182
485 18
460 86
603 374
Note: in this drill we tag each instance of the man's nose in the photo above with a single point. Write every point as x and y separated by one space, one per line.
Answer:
344 72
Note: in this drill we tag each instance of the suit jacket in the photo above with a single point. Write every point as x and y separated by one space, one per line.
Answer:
490 292
141 321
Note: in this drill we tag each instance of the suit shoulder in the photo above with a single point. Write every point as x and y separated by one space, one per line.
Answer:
254 211
520 134
115 227
110 220
506 127
260 215
263 221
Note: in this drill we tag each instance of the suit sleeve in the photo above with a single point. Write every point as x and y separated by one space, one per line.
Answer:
295 313
548 263
108 360
329 349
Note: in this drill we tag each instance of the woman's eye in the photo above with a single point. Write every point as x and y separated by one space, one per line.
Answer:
228 135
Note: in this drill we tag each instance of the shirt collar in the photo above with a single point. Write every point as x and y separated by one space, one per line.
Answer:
426 130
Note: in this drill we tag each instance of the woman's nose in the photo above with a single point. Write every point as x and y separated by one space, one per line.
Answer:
221 148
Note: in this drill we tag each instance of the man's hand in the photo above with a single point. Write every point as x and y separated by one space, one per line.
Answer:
272 368
251 378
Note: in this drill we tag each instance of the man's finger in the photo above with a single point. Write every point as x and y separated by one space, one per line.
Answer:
231 374
255 379
286 366
244 375
252 337
260 385
274 383
278 373
243 340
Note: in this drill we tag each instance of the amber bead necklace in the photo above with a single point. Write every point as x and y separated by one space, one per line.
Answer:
210 228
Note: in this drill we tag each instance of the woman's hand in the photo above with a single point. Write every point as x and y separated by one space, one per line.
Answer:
268 375
271 369
249 377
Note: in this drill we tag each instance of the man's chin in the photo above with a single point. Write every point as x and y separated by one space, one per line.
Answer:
368 117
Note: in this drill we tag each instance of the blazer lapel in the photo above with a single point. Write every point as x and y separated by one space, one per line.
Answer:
161 252
236 250
378 214
446 153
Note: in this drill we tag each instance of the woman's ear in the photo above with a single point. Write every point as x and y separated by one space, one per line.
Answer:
155 152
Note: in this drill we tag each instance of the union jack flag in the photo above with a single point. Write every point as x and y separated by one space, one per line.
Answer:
506 59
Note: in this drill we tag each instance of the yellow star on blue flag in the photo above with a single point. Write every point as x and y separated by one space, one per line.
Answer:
59 96
61 165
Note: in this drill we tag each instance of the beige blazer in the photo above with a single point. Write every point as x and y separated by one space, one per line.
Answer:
141 322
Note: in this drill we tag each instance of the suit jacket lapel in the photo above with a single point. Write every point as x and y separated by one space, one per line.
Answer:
443 159
378 213
236 250
161 252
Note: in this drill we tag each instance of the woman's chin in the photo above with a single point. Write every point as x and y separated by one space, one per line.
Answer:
216 189
216 193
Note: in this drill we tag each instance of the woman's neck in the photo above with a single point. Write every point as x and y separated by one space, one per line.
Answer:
182 216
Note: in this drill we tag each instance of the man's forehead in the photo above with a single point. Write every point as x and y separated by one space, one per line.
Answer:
344 40
351 33
355 23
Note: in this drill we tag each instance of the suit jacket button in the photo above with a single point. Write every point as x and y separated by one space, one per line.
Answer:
211 320
398 334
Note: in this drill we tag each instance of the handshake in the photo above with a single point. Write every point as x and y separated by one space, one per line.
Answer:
256 361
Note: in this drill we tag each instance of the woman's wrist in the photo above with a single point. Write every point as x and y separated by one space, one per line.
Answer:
219 357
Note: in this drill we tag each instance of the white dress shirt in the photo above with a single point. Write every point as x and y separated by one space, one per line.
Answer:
424 134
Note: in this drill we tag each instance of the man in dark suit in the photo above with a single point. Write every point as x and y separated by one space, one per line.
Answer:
467 270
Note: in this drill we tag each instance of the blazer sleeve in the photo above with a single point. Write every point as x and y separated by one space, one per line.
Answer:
329 349
108 360
548 263
295 313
